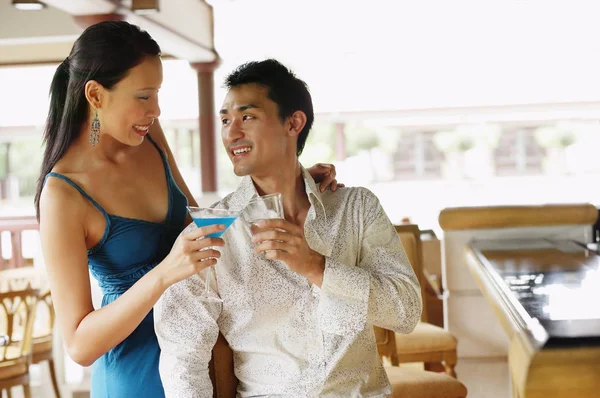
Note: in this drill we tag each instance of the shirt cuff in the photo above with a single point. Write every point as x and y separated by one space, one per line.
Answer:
344 298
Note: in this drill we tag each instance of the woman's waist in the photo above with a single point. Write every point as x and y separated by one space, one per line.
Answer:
116 280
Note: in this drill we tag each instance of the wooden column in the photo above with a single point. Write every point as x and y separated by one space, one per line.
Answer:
206 124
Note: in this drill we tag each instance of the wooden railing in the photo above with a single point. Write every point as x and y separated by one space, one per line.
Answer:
16 226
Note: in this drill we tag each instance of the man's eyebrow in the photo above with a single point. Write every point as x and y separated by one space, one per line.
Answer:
246 107
242 108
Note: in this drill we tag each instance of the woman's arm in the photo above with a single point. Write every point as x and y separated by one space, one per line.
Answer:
89 333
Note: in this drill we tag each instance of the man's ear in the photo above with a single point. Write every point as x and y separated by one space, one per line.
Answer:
296 121
94 94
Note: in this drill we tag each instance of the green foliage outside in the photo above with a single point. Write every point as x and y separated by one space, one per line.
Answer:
25 163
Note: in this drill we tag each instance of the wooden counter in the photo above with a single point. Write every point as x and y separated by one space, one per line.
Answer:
546 295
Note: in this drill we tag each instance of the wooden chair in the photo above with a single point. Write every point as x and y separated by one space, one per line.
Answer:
221 370
428 343
17 312
19 278
43 329
416 383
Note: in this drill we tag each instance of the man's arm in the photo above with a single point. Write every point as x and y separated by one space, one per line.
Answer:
187 332
381 289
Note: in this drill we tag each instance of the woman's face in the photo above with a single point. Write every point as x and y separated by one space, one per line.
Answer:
128 109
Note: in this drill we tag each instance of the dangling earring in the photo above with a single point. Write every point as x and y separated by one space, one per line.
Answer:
95 131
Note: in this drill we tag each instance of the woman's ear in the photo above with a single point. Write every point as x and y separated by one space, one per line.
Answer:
296 123
94 93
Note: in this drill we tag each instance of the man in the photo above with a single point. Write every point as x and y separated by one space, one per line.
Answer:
301 295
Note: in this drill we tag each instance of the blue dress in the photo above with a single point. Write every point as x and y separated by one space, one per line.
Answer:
127 251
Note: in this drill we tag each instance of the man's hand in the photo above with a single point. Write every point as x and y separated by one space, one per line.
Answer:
281 240
324 173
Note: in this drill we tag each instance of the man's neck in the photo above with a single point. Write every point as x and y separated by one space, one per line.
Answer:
288 181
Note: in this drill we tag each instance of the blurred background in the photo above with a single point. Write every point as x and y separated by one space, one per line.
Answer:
430 104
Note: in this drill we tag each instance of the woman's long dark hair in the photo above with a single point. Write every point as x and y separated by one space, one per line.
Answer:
105 52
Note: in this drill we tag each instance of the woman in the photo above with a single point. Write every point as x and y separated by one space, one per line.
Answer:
110 196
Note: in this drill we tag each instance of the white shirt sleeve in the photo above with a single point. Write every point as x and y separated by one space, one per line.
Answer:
187 330
381 289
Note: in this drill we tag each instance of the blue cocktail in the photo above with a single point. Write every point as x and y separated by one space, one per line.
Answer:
203 221
204 217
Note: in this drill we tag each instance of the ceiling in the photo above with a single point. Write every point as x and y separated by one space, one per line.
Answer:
183 28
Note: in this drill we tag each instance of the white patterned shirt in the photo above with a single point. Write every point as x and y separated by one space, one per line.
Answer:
291 338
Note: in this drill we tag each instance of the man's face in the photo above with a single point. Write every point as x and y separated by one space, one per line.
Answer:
253 134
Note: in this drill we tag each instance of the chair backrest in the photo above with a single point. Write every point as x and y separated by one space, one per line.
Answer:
45 316
410 236
20 278
221 370
386 345
17 313
30 277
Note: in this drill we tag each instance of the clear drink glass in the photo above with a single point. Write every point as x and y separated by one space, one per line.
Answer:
263 208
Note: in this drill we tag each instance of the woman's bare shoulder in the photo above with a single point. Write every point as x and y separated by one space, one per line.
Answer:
60 196
58 193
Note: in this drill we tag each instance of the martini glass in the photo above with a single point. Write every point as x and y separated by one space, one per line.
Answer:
204 217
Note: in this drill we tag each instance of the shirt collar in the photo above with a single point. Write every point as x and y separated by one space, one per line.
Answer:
315 196
246 191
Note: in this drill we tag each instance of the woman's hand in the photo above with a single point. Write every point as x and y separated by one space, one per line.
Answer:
324 173
191 253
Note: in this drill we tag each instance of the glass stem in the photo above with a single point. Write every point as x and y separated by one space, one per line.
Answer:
207 282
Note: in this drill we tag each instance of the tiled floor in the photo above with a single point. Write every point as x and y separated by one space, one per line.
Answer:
484 378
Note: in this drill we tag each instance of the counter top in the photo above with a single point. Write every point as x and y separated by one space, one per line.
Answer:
545 293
